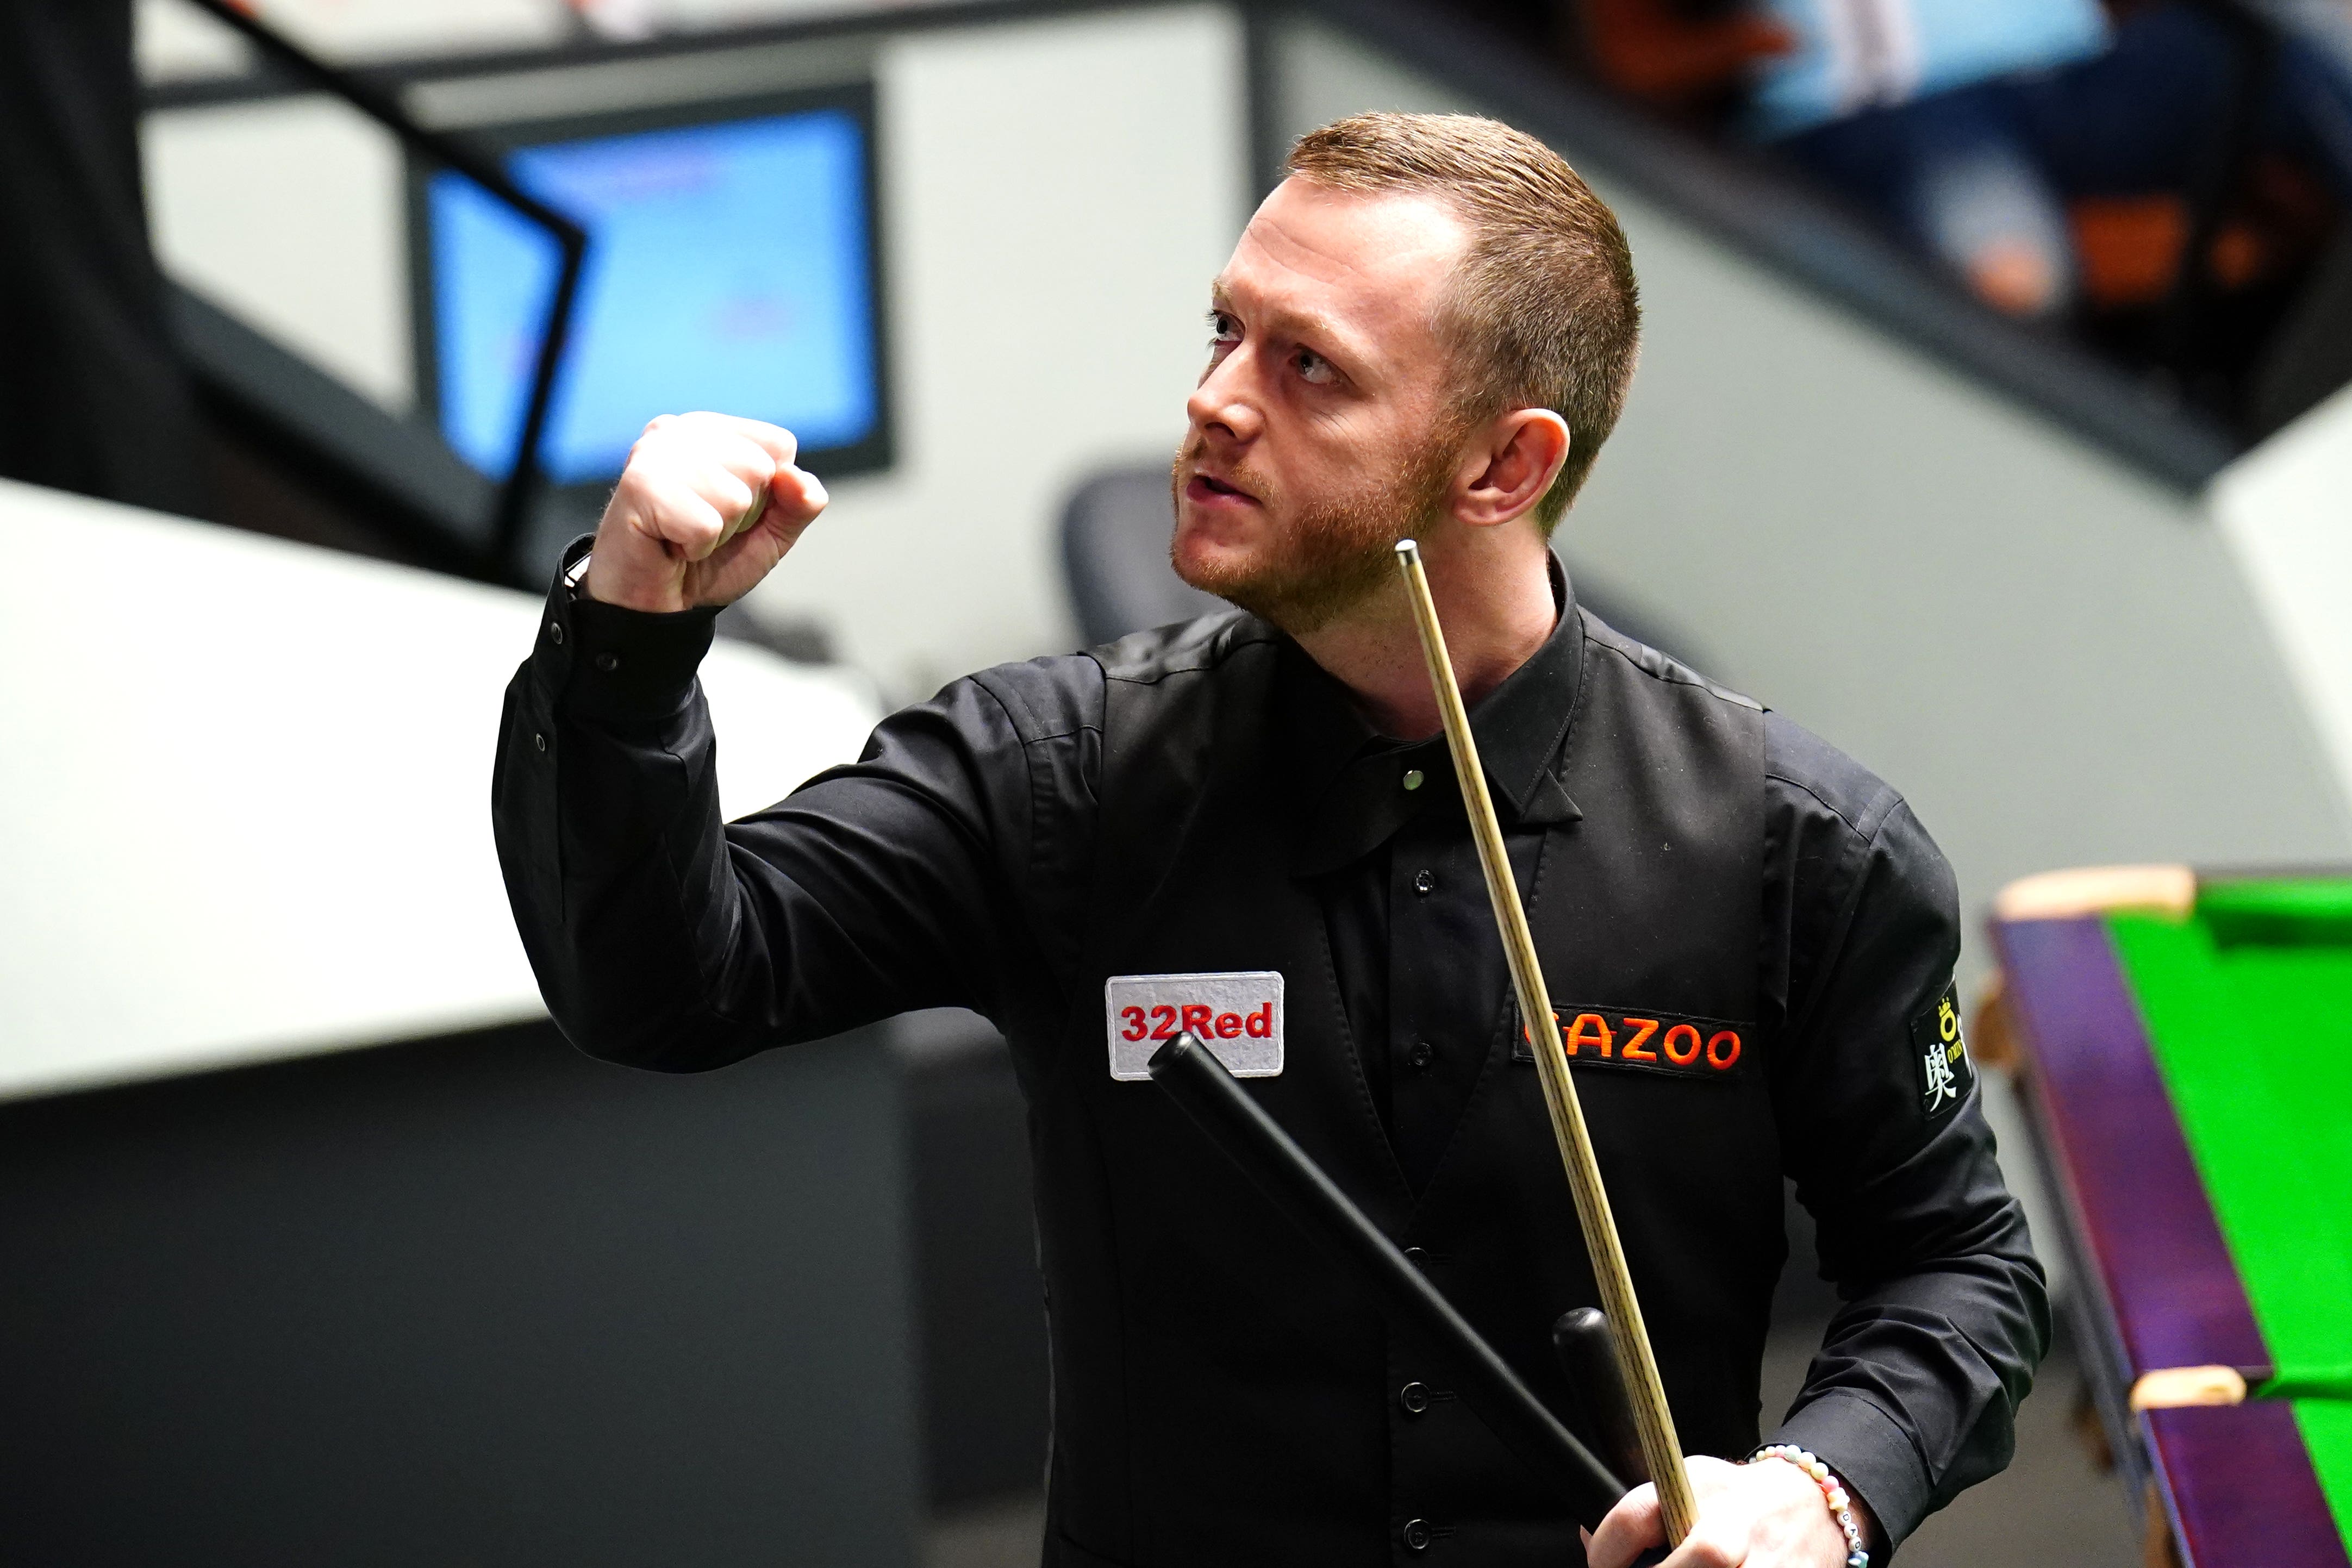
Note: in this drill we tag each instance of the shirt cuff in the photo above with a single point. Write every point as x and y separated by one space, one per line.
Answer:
1873 1456
602 660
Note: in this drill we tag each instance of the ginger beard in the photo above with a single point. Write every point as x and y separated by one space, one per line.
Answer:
1333 554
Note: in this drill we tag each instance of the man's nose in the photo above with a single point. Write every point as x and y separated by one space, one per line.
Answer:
1221 405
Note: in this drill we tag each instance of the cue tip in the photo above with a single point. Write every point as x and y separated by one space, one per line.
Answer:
1408 549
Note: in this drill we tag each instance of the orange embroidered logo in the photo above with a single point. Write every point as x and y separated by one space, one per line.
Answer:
1660 1043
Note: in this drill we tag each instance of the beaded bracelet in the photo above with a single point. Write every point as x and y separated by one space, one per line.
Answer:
1833 1494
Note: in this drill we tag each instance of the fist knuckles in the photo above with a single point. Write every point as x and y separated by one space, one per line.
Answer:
695 479
693 483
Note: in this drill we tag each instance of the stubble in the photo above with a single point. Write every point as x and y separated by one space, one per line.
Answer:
1334 554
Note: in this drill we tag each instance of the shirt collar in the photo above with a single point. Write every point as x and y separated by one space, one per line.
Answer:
1350 779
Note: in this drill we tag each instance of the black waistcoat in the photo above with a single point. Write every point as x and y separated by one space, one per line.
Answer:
1220 1394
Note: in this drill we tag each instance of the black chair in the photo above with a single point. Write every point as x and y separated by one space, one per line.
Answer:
1115 533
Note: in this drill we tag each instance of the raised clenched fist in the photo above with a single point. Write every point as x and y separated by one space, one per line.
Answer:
705 507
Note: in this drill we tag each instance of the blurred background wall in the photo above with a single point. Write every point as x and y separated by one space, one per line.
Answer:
1044 284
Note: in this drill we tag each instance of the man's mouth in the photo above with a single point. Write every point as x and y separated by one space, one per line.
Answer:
1204 487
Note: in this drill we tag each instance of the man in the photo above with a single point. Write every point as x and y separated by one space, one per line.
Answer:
1427 330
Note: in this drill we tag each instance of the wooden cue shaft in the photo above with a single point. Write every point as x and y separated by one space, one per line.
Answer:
1660 1447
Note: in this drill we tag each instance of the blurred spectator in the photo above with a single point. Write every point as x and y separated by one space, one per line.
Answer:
1685 55
1982 175
1900 104
2165 172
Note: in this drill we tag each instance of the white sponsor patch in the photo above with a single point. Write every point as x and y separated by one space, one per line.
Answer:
1237 1015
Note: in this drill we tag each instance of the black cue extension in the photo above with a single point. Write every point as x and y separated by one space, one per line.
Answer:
1210 1095
1581 1339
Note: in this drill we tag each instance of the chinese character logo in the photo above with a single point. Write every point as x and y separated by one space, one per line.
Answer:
1941 1085
1942 1054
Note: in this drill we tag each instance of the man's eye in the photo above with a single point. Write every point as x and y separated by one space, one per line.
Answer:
1313 367
1223 330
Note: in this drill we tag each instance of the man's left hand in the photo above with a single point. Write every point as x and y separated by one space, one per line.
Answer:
1765 1515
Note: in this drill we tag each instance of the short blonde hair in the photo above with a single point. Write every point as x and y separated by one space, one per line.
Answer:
1545 313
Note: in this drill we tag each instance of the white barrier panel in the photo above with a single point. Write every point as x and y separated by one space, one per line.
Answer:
244 793
2285 508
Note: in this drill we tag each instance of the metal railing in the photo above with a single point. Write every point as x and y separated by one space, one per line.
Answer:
501 559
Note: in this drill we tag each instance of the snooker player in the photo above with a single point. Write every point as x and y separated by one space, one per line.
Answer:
1247 826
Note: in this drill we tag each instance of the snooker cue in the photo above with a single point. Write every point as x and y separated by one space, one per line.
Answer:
1191 1074
1655 1423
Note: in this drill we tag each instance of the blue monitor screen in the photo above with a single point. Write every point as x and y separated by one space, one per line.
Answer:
727 269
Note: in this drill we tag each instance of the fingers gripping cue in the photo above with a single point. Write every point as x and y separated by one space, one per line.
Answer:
1660 1447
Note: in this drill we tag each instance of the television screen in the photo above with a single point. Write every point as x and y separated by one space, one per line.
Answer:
729 267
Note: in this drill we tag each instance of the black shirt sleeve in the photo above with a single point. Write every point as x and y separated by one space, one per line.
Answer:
663 939
1913 1395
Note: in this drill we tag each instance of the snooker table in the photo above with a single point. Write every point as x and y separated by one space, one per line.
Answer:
2183 1046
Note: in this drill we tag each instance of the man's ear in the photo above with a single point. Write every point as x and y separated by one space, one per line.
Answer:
1524 451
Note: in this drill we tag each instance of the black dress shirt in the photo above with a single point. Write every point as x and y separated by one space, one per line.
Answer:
945 868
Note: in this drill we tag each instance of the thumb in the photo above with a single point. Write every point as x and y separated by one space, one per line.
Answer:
791 502
798 494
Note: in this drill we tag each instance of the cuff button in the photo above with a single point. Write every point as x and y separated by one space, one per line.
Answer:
555 631
540 739
607 662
